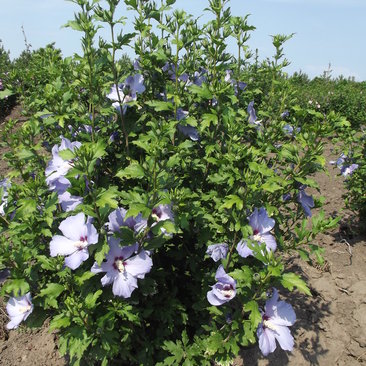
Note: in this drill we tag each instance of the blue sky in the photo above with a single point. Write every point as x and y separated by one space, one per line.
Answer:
327 31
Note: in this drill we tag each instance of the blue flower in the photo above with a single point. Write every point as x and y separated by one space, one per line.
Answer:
4 185
224 290
187 130
343 163
252 115
285 114
276 319
261 225
217 251
127 91
73 244
18 309
123 268
58 167
306 201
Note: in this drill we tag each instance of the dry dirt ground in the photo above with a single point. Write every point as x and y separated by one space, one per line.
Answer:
330 327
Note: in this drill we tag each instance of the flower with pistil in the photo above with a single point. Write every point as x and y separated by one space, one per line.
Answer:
122 268
224 290
276 319
78 235
19 308
261 225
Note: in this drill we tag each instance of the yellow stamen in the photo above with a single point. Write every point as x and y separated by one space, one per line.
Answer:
120 266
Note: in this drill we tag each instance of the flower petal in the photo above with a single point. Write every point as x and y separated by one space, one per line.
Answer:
15 321
74 260
270 241
243 249
107 279
73 226
91 233
283 314
60 245
139 265
124 284
213 300
266 340
284 338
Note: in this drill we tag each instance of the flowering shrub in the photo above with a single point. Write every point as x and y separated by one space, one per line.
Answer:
344 95
352 167
6 96
146 181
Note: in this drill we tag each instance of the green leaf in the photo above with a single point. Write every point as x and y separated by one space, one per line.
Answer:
101 253
260 168
108 197
134 170
59 321
207 119
52 290
232 200
132 3
160 106
84 277
92 298
255 316
201 91
66 154
46 262
271 186
174 349
244 276
27 206
16 287
5 93
291 280
73 24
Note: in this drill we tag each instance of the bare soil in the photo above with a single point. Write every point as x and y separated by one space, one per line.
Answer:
330 327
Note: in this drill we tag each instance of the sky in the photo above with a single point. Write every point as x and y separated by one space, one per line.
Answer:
326 31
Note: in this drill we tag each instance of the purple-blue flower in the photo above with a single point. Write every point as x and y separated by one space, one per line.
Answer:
134 84
123 268
114 136
224 290
285 114
348 170
170 69
238 85
77 236
261 225
126 91
306 201
181 114
276 319
4 185
289 130
18 309
117 219
286 197
136 65
57 168
187 130
68 202
162 213
343 164
252 115
199 77
217 251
